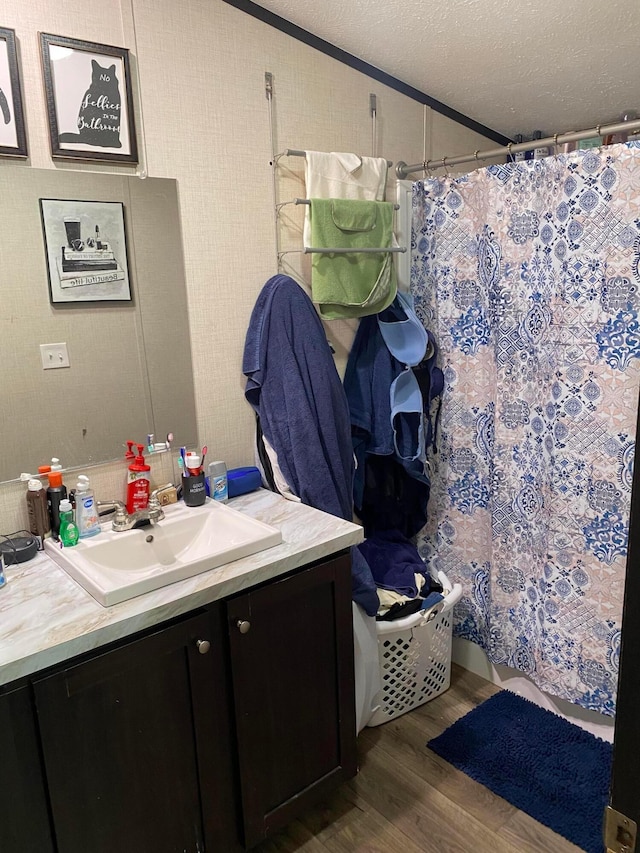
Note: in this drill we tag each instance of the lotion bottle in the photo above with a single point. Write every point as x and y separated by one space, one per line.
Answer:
138 483
86 511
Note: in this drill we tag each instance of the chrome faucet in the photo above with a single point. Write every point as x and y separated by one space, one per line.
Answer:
124 520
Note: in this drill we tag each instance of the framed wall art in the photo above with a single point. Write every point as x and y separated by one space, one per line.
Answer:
86 249
13 139
89 100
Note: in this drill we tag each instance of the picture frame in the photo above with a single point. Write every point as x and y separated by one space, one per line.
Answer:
86 250
13 137
89 100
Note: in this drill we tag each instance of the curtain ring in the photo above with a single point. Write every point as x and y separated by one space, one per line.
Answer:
509 146
444 166
598 126
475 154
555 144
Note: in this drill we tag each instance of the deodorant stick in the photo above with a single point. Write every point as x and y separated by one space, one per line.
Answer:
218 488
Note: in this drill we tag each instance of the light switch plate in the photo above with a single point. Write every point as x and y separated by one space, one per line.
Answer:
54 355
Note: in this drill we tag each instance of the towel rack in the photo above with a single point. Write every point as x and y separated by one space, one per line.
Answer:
294 152
308 250
308 201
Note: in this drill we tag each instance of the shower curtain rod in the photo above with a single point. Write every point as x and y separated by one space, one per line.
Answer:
403 170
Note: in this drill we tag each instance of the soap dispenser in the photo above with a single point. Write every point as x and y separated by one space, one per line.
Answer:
86 511
138 483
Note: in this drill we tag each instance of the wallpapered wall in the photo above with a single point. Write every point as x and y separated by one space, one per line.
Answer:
204 121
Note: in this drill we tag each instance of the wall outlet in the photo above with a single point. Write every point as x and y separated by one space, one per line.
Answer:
54 355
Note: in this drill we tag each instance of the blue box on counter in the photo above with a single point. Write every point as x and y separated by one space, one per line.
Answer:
243 480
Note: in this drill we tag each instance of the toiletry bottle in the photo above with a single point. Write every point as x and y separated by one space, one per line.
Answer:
130 454
44 469
138 483
56 492
627 115
55 464
218 487
528 155
86 510
39 522
3 577
519 155
540 151
192 463
69 533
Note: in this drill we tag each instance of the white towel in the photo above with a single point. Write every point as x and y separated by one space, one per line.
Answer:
338 175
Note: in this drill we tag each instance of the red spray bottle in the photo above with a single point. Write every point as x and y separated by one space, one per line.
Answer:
138 483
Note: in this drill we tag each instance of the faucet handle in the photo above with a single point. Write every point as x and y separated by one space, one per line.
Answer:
121 517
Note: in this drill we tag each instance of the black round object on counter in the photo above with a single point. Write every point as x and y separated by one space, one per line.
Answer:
18 549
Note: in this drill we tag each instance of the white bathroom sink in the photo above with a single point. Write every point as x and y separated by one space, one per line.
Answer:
114 567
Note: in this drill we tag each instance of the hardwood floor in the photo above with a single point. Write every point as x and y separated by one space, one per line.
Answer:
406 799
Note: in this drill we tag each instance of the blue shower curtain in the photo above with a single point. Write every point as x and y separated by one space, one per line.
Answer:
528 275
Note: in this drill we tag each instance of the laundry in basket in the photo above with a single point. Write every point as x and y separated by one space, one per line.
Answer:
415 657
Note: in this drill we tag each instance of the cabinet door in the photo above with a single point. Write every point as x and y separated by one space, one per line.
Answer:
132 737
24 814
291 647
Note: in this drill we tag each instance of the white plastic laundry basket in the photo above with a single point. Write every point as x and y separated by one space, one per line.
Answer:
415 657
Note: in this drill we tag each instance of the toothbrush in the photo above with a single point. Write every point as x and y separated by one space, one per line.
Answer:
204 453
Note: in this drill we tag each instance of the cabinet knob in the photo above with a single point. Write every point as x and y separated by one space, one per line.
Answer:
203 646
243 626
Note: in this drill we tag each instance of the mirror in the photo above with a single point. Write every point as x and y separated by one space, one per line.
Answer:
130 370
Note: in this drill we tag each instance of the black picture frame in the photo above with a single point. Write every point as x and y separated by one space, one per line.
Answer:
89 100
13 137
85 245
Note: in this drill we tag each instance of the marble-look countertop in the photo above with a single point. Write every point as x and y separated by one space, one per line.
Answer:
46 617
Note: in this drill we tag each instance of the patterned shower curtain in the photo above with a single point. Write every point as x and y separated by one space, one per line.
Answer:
528 274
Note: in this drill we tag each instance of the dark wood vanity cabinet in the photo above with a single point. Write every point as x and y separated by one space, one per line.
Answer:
203 736
137 745
291 651
24 814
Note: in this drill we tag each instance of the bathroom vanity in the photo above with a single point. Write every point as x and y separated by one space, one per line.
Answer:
199 717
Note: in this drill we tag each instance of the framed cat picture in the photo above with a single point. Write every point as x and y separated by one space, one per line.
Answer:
89 100
13 139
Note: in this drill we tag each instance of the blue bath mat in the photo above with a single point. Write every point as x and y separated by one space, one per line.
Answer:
539 762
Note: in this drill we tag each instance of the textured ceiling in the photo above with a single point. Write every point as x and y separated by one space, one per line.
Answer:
512 65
